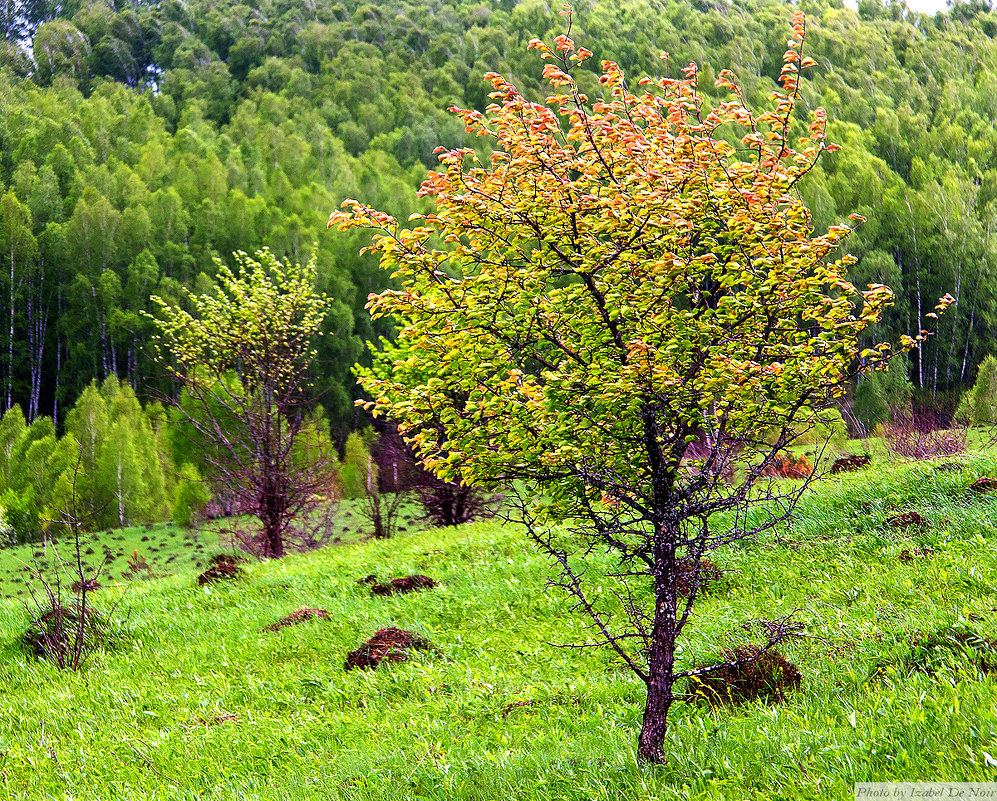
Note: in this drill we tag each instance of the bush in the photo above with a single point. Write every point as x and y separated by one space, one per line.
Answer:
448 503
789 466
979 405
913 437
880 392
62 630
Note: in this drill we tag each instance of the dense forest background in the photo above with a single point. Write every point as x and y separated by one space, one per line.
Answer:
140 141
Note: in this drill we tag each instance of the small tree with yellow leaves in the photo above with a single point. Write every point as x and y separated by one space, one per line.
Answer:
615 311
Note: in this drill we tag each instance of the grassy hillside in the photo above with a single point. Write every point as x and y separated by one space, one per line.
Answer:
196 701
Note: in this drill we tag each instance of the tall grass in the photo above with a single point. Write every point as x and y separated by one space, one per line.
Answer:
196 701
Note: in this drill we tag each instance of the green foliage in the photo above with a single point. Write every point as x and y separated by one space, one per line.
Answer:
121 478
190 496
979 405
358 471
12 427
881 392
229 130
20 515
242 357
825 426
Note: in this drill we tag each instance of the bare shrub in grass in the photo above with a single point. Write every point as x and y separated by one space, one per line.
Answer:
65 627
914 436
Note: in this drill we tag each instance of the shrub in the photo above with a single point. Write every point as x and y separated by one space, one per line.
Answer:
979 405
452 503
61 632
789 466
911 437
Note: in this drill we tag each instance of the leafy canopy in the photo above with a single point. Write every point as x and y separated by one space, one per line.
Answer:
617 270
259 324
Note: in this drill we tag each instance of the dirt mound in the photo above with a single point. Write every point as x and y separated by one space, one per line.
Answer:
909 554
296 617
755 675
907 519
392 644
404 584
218 720
985 484
709 575
55 631
955 648
220 571
371 579
848 463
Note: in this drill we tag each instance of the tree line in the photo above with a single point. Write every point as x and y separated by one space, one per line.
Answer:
140 141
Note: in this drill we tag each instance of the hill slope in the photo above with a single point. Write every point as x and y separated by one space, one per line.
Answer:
196 701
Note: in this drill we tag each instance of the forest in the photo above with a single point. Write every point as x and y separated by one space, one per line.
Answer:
141 141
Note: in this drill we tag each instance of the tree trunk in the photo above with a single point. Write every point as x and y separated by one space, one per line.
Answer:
661 660
273 541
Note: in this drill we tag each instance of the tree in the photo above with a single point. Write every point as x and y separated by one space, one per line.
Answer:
242 359
979 405
190 497
622 303
881 392
358 472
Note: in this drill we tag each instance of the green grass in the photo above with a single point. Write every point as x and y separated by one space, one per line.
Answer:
168 549
502 713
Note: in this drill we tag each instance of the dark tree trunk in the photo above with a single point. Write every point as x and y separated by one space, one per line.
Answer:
660 659
273 541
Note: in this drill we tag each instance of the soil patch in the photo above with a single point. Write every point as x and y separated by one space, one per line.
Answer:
88 584
910 554
404 584
849 463
296 617
754 675
223 568
985 484
217 720
958 648
392 644
908 519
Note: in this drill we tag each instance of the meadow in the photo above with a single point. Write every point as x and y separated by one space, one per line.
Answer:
195 700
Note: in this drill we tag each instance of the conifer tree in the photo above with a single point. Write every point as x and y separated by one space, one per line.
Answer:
979 405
